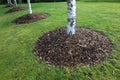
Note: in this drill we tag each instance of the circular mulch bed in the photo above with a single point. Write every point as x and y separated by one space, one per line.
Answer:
16 9
8 5
85 47
28 18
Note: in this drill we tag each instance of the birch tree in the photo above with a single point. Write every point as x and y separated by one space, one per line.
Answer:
10 2
71 17
29 7
15 3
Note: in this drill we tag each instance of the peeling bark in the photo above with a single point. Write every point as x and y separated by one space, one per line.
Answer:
71 17
29 7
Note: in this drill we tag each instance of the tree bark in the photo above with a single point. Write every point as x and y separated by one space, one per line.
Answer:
15 3
29 7
10 2
71 17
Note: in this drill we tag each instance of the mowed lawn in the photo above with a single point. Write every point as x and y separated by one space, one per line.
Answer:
17 62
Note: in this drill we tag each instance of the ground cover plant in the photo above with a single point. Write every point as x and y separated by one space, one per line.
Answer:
17 62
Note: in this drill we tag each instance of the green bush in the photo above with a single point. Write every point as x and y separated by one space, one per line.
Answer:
101 0
35 1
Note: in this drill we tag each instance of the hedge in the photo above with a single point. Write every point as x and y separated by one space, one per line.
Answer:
35 1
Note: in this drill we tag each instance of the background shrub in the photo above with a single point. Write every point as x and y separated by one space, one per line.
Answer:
35 1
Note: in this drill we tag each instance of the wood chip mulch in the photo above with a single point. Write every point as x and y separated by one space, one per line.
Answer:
16 9
8 5
29 18
86 47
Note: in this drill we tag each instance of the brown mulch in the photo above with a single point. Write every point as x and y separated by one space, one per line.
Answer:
16 9
85 47
8 5
28 18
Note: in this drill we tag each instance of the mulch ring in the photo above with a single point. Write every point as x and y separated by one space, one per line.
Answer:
28 18
16 9
86 47
8 5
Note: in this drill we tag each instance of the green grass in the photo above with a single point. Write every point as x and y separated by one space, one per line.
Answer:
17 62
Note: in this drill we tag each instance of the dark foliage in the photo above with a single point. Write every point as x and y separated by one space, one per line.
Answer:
35 1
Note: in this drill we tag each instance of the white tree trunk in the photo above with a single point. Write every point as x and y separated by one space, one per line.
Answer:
71 17
10 2
15 3
29 7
